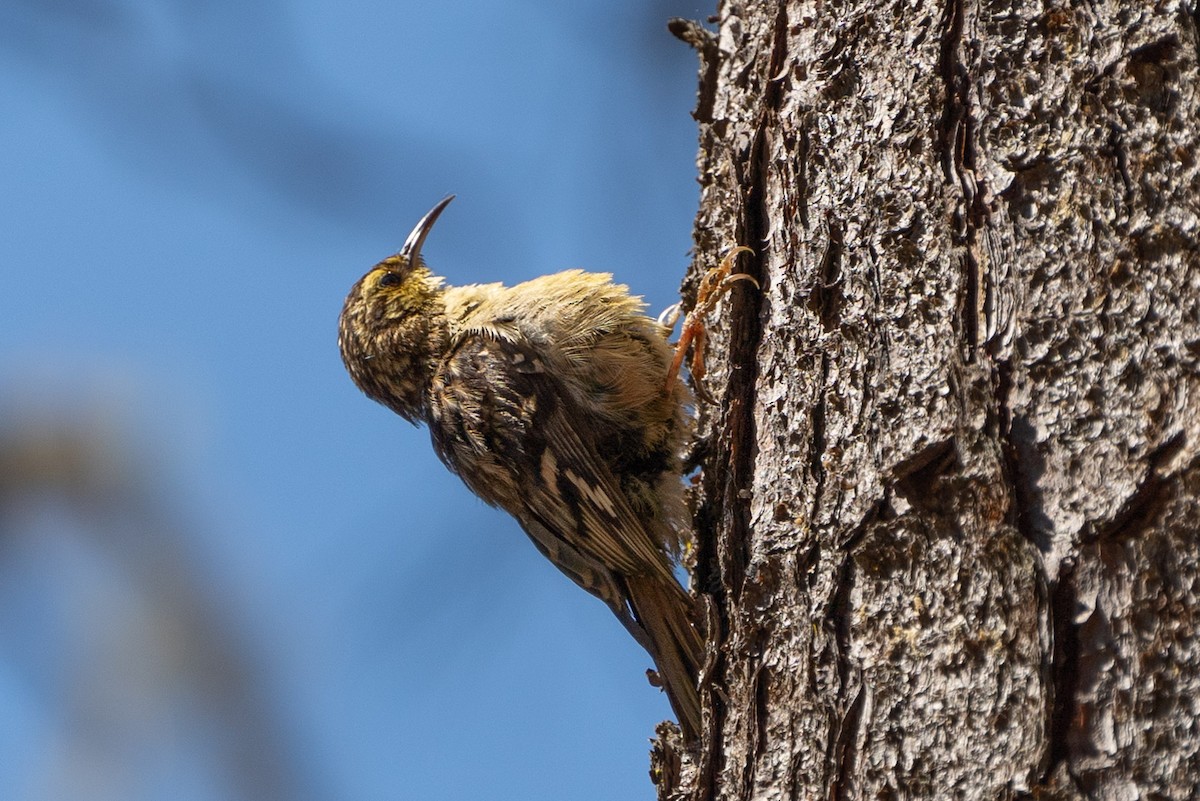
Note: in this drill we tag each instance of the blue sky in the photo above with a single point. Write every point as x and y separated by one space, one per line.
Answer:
189 189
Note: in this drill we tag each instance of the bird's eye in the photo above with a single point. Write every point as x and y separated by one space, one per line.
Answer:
389 279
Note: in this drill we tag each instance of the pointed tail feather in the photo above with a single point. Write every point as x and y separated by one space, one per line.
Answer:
664 612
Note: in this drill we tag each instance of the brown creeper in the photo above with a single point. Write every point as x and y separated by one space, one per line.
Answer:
549 400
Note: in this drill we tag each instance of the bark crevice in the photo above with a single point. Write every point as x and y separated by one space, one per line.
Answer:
1064 669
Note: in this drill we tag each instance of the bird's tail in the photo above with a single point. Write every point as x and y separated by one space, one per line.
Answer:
664 612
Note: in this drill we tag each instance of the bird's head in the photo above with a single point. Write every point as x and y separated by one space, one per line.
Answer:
392 323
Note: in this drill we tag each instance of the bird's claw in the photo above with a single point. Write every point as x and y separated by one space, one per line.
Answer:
715 284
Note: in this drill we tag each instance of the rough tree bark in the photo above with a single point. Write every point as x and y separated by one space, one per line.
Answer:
948 515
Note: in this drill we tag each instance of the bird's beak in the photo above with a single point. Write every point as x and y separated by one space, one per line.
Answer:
411 251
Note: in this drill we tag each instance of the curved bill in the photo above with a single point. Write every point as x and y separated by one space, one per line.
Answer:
412 245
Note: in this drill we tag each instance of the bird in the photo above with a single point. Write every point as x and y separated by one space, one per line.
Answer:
551 400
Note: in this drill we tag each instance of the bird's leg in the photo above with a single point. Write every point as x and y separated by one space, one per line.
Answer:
713 286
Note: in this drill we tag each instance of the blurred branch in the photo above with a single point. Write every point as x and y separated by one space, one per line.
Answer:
189 665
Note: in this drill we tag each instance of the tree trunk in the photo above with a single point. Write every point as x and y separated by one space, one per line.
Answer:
947 519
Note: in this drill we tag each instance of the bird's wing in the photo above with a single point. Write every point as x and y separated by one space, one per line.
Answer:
509 427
